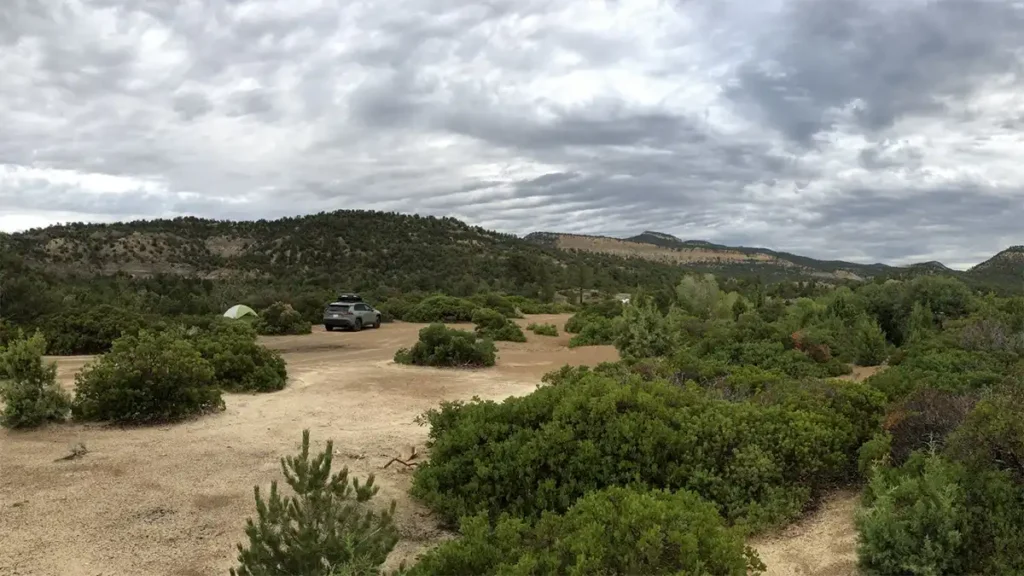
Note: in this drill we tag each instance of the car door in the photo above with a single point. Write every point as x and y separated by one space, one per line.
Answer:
363 312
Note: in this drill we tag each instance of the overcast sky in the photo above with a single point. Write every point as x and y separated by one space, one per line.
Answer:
868 130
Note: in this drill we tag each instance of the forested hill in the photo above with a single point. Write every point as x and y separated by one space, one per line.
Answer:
314 255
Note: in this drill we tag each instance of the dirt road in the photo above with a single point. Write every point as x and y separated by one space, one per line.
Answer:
172 500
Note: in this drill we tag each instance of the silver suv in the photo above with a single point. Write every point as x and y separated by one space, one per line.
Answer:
350 313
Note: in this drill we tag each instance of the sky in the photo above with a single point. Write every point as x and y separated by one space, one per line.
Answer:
866 130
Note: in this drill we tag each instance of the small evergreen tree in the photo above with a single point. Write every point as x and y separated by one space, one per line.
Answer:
28 386
642 333
920 323
870 347
324 529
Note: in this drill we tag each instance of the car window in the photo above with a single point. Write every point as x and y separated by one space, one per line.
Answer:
361 307
338 308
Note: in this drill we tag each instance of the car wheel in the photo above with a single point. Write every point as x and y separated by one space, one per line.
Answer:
329 328
377 323
358 325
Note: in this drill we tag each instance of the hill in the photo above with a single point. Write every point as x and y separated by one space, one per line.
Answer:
1005 268
194 265
706 256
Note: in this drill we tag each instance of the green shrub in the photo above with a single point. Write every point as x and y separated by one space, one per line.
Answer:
441 308
398 308
853 409
240 364
874 452
280 319
606 309
596 331
543 329
759 462
576 322
439 345
612 531
28 386
503 304
324 529
7 332
147 378
869 345
916 521
642 332
530 306
89 329
493 325
992 435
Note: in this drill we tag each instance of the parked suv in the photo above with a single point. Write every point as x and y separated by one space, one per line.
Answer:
349 312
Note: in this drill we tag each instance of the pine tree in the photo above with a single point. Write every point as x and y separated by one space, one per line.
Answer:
324 529
28 386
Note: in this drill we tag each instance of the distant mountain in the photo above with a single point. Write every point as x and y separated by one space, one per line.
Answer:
703 255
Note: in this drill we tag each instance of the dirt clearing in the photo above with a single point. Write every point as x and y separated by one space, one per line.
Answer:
822 544
172 500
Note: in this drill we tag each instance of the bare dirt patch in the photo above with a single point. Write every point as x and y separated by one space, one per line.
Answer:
822 544
861 373
172 500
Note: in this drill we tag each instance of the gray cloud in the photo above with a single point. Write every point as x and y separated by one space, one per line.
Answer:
860 129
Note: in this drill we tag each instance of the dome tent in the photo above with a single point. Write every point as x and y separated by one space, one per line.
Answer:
239 311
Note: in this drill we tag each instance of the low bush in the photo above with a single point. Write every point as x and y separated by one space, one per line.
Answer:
759 462
398 308
607 309
439 345
924 418
504 305
952 370
543 329
324 529
280 319
493 325
530 306
612 531
147 378
28 386
88 330
992 435
240 364
960 511
441 308
596 331
916 520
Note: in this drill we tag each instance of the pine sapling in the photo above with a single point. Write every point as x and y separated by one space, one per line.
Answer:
325 528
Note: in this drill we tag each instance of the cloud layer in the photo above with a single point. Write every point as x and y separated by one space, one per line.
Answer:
868 130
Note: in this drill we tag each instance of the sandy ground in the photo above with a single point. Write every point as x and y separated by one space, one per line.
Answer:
172 500
822 544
